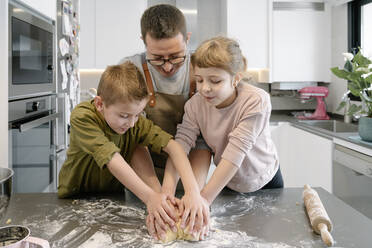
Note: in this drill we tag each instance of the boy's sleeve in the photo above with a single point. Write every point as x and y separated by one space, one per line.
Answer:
152 135
91 139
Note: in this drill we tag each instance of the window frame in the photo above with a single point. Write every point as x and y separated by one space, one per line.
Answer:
354 24
354 29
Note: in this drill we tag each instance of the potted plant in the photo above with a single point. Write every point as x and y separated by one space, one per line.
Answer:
358 72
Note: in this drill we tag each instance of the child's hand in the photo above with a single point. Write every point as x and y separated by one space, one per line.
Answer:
160 213
196 211
204 233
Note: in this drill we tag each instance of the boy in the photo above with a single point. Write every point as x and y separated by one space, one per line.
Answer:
104 134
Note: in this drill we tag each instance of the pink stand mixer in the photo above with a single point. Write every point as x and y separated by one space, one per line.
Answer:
319 92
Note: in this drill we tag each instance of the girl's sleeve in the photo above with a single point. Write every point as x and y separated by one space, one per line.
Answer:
188 130
242 138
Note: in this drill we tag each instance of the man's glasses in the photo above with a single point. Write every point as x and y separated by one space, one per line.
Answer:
173 61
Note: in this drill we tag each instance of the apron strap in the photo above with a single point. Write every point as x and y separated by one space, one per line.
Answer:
192 89
150 86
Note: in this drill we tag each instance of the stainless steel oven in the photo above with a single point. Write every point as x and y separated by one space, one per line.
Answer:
32 144
31 53
352 178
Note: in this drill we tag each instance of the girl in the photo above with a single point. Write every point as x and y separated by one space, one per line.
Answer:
233 118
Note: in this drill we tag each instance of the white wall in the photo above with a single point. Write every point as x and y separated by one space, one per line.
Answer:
4 83
339 45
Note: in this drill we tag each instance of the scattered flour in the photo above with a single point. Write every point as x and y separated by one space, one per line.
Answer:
105 223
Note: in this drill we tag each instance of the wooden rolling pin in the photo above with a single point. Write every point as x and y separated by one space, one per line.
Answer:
318 216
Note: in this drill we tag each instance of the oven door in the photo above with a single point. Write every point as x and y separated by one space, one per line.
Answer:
31 142
31 49
352 178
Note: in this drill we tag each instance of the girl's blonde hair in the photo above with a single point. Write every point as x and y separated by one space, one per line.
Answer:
221 52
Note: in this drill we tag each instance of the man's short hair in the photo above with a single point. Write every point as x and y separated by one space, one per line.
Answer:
163 21
121 83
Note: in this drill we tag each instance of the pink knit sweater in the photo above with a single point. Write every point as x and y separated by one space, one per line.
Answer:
238 133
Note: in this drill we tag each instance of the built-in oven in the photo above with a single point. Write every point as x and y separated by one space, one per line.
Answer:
31 53
32 144
352 178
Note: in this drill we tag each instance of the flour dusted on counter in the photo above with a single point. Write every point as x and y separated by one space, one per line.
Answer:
85 222
106 223
243 204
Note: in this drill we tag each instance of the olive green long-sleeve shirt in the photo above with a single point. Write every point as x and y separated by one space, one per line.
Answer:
93 144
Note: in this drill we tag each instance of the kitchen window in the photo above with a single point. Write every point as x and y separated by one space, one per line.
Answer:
360 29
360 26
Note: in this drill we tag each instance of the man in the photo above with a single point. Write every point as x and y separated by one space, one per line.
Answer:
166 68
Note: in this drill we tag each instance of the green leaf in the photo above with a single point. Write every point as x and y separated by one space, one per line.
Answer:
341 106
366 97
362 83
361 60
354 88
340 73
354 109
368 80
348 66
355 76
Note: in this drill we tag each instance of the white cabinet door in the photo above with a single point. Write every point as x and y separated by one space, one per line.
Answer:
301 44
46 7
305 158
110 30
279 136
87 57
118 30
247 22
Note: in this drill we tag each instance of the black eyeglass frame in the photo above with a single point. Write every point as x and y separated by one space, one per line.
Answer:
167 60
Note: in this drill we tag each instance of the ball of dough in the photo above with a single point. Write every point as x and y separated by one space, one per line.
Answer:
181 234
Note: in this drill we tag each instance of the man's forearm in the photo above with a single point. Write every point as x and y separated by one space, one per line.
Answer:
120 169
182 164
143 166
200 161
170 179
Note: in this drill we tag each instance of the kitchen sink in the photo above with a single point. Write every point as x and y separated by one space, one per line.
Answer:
331 125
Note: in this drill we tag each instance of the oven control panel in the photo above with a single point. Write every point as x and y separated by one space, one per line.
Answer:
19 109
35 106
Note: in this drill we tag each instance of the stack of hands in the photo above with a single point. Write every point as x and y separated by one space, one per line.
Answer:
165 211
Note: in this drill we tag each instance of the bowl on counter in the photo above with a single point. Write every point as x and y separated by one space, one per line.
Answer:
6 176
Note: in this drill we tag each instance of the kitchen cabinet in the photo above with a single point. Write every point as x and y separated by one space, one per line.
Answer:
301 42
305 158
110 30
294 43
45 7
248 23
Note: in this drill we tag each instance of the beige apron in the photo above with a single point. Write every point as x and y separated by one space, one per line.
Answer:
164 110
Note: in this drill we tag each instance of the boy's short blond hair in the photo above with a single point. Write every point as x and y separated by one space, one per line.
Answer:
121 83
